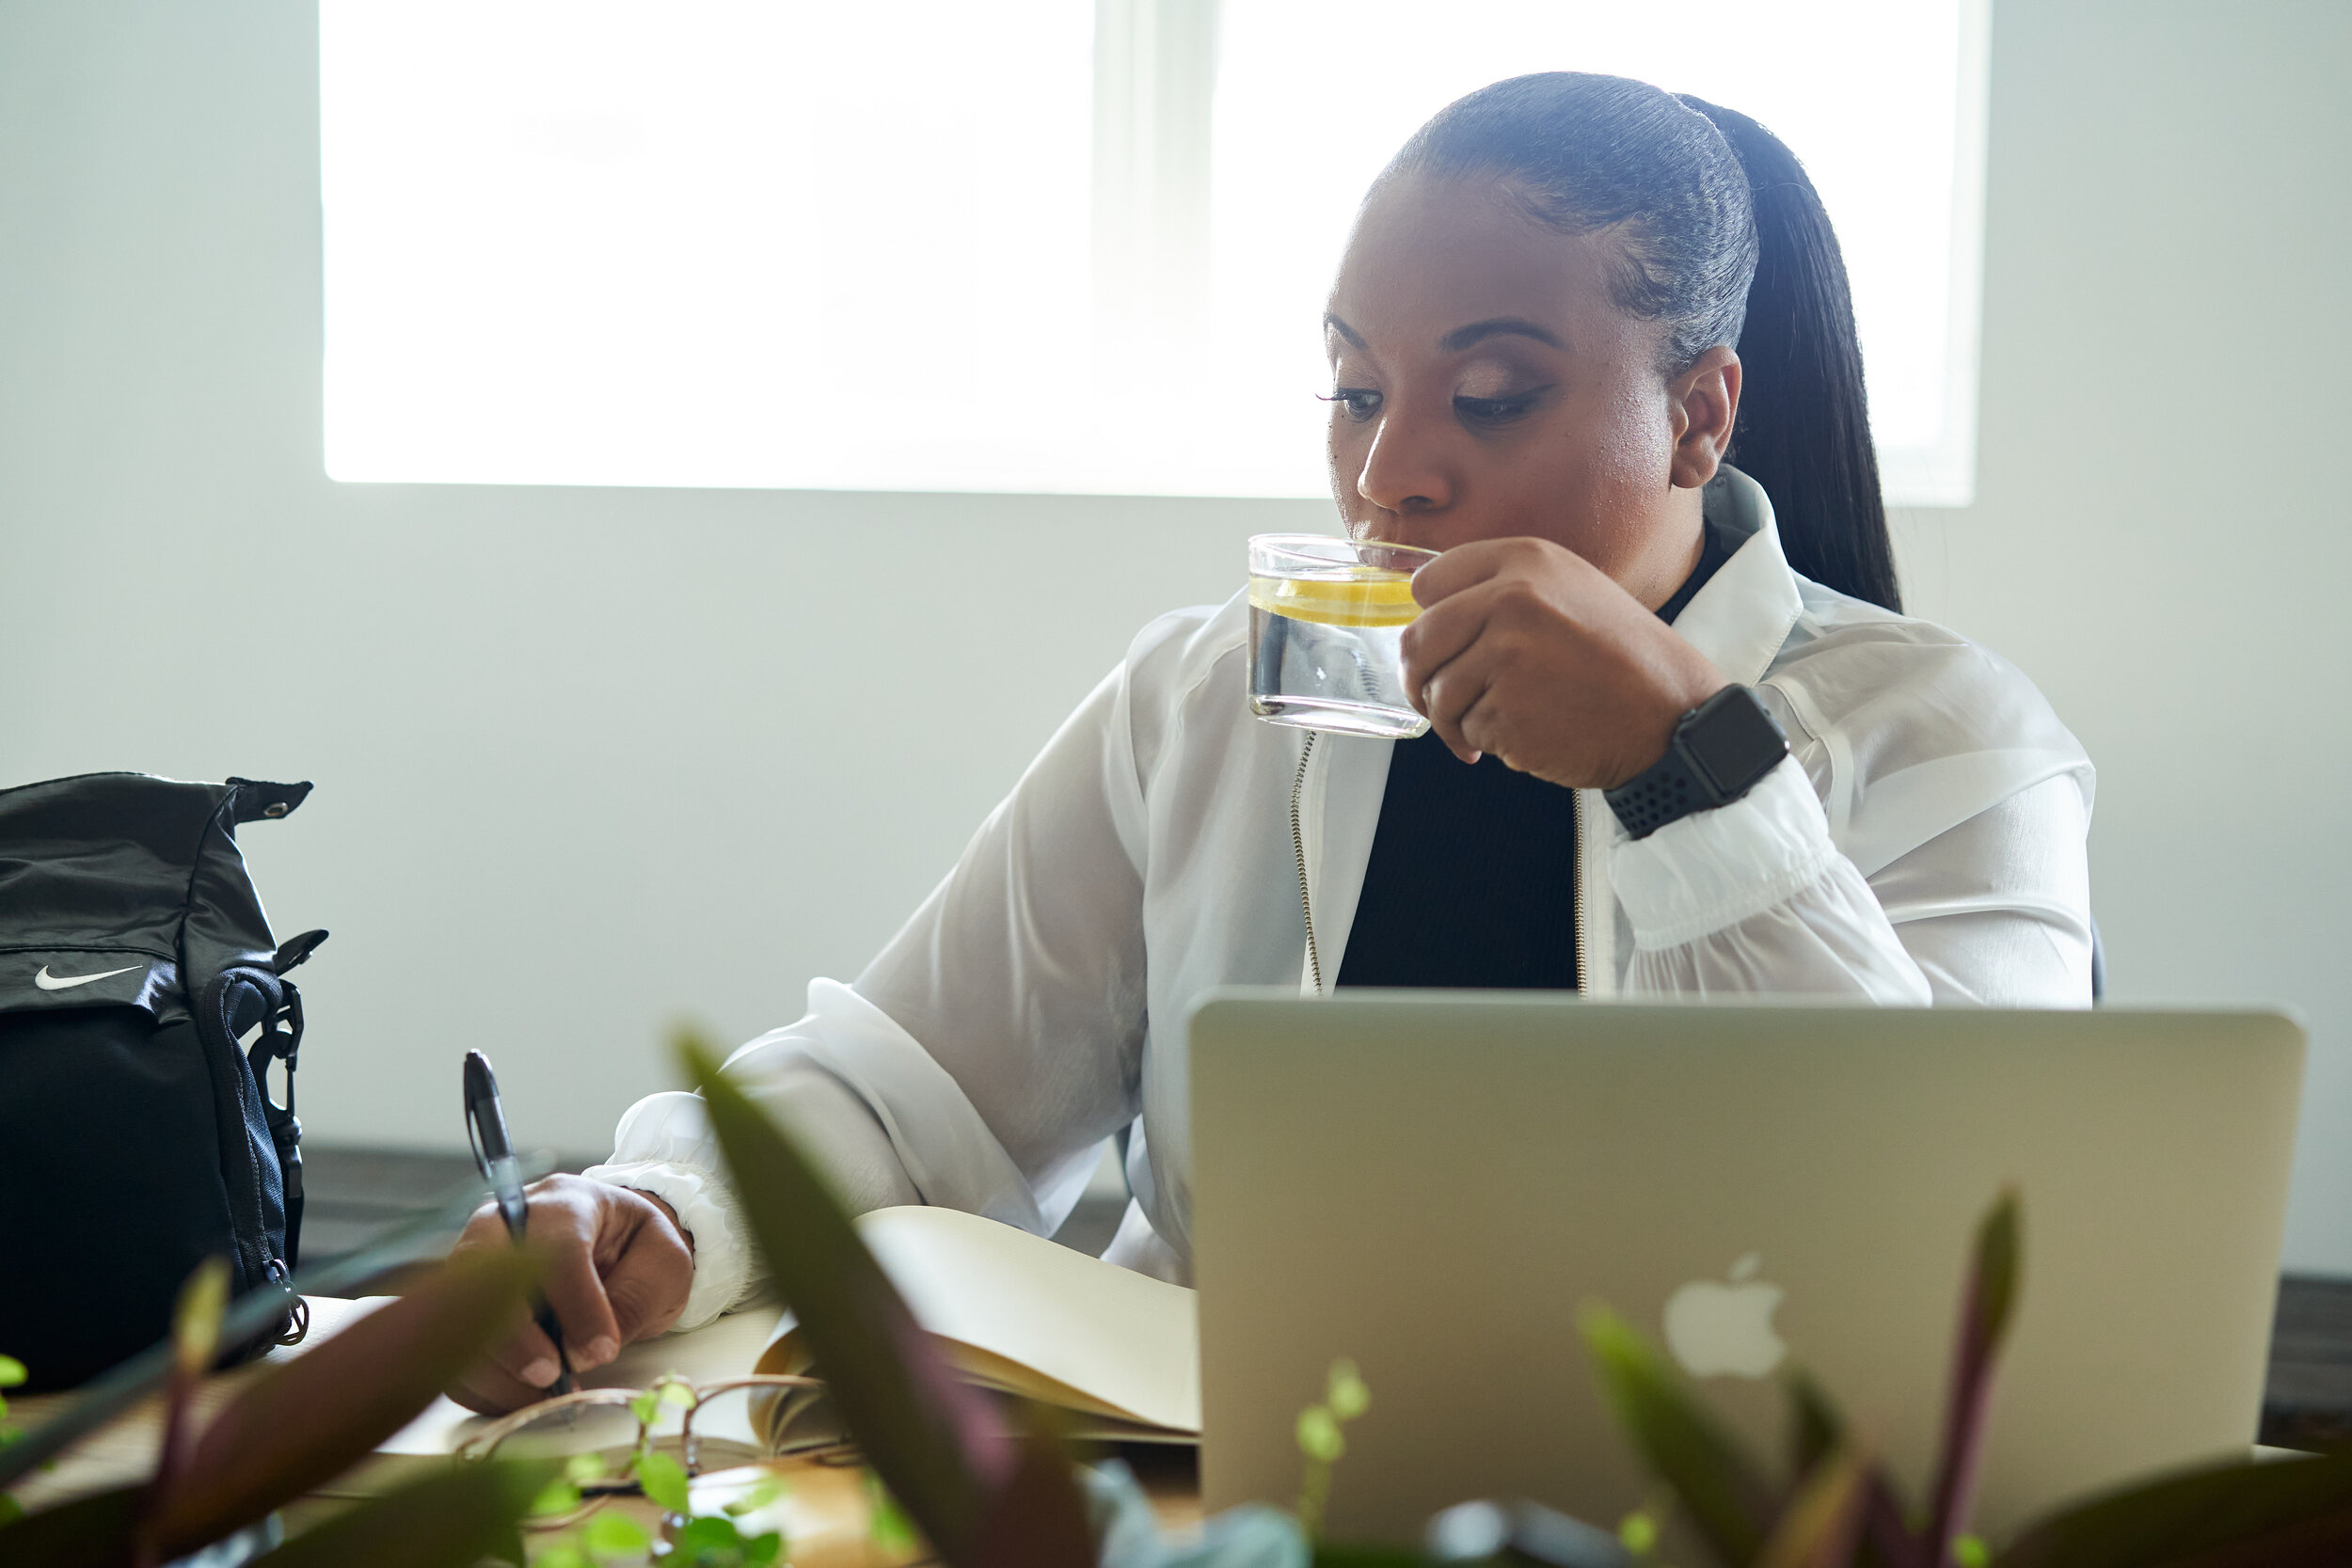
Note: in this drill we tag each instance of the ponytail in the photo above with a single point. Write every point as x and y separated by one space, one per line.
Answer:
1803 432
1725 241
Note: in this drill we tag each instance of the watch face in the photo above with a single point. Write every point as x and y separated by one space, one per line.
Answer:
1733 741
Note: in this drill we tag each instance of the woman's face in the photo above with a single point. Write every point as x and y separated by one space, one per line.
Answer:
1486 386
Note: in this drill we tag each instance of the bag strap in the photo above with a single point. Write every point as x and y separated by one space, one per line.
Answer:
280 1040
285 1044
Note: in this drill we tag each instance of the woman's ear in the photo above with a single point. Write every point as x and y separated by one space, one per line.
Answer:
1704 401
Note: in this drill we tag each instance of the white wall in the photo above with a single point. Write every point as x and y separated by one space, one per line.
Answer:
590 759
2159 536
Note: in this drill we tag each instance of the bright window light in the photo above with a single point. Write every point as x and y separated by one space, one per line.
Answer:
1062 246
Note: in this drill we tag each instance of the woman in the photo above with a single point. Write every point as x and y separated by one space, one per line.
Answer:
1532 337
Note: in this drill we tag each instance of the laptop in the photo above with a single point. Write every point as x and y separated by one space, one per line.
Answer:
1434 1185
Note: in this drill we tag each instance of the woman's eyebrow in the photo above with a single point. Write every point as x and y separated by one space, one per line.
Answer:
1515 326
1343 330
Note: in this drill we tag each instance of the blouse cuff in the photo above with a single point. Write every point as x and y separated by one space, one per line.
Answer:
724 1273
1704 872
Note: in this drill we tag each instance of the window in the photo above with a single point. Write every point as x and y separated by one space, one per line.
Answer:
1061 246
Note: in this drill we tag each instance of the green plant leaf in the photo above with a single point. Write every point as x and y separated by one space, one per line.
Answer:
308 1420
766 1490
1816 1426
2283 1514
11 1372
611 1534
195 1318
1346 1394
1722 1490
1319 1435
451 1519
1822 1523
1638 1533
665 1482
886 1524
713 1541
557 1498
709 1532
1987 1304
940 1447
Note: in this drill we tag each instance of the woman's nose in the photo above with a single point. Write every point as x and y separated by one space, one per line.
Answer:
1404 472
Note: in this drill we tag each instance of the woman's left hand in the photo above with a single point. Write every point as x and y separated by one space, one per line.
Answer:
1530 651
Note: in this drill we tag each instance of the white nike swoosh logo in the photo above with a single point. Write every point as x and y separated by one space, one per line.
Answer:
47 981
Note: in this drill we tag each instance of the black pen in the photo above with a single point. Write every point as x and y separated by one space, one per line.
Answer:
494 1151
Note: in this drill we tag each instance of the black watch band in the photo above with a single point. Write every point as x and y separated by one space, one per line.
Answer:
1720 750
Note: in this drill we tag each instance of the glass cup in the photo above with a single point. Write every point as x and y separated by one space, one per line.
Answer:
1326 618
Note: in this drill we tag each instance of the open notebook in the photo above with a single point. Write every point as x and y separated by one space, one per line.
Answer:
1014 1312
1118 1351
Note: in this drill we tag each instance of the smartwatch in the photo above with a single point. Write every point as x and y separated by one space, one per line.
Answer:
1721 750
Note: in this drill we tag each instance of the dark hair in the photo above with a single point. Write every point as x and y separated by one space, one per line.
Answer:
1724 240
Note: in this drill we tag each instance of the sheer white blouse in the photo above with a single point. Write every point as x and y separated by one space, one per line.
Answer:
1925 843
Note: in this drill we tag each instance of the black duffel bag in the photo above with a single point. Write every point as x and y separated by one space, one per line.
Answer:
136 1130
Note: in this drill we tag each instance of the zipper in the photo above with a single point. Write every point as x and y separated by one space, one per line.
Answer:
1576 832
1298 846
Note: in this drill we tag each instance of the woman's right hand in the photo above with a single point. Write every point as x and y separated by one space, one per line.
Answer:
618 1268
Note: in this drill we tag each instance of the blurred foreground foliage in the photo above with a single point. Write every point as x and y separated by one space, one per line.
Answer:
986 1488
296 1425
987 1495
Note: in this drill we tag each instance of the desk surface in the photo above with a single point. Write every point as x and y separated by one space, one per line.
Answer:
825 1507
824 1510
355 1192
2308 1401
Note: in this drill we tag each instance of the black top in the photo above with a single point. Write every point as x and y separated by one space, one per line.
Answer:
1471 881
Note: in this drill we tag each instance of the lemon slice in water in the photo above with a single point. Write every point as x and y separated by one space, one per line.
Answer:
1364 596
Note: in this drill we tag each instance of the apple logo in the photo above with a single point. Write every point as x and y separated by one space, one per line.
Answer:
1718 1330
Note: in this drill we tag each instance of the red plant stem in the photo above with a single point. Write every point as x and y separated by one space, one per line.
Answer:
171 1462
1963 1429
1884 1526
977 1429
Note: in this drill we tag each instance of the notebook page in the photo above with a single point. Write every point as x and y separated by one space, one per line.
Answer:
1129 1343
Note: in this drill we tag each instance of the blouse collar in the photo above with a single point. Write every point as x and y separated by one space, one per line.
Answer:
1744 613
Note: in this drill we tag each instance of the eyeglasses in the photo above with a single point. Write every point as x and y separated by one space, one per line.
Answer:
736 1414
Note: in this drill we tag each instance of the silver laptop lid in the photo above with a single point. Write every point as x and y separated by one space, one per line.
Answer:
1434 1185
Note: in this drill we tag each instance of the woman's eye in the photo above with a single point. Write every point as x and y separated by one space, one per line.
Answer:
1361 403
1496 411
